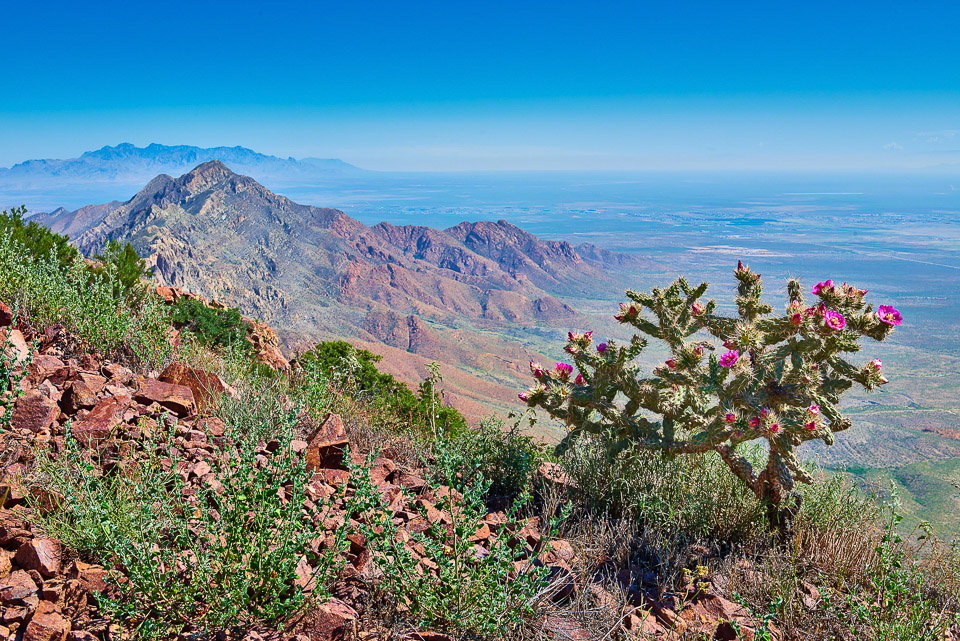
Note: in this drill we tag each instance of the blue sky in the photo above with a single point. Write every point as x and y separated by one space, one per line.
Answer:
493 85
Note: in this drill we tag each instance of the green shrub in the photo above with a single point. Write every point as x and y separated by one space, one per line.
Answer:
12 373
223 328
44 292
125 270
779 381
36 240
470 594
222 557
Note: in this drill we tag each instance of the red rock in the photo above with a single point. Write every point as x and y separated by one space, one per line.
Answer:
82 393
426 635
206 386
34 412
18 589
5 567
333 620
271 356
327 444
101 421
17 347
176 398
81 635
553 475
91 577
118 373
47 624
42 367
6 315
42 555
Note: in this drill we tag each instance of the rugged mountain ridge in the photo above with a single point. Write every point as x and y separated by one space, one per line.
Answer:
127 163
319 273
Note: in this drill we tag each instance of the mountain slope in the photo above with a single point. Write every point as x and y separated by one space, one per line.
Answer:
445 295
126 163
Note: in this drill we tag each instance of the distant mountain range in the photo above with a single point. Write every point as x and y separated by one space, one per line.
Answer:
411 292
126 163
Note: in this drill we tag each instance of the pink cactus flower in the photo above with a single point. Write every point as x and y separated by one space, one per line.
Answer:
579 380
564 369
538 372
730 417
523 396
775 427
814 410
602 347
834 320
698 350
819 287
572 349
671 363
797 319
696 309
888 314
876 363
811 425
754 421
730 358
589 335
764 412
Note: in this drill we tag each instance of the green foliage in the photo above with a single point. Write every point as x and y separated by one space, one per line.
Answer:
471 594
125 270
220 556
12 373
223 328
780 380
898 604
506 457
35 239
354 371
43 291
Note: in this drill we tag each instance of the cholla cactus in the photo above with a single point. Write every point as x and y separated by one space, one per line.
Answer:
777 378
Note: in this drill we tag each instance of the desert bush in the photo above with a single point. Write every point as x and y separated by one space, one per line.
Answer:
470 594
35 239
779 381
43 292
219 556
126 272
218 328
12 373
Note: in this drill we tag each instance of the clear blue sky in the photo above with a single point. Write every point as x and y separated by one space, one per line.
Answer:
492 85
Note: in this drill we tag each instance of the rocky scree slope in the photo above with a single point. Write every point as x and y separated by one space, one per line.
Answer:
47 593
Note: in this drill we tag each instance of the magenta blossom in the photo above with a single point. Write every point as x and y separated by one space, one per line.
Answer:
888 314
755 421
764 412
730 417
564 369
730 358
775 427
876 363
672 363
579 380
810 425
819 287
834 320
697 309
797 319
814 409
601 347
523 396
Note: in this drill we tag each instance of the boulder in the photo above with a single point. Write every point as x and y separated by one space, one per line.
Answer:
332 620
327 444
42 555
42 367
18 589
176 398
82 393
14 345
34 412
101 421
206 386
47 624
6 315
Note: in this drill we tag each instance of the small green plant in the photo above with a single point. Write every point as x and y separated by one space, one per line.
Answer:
12 373
211 556
125 271
223 328
35 239
470 591
779 380
898 603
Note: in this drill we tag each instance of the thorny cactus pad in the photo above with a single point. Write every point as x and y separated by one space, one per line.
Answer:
729 379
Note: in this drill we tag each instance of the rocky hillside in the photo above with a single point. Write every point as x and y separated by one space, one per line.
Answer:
317 272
